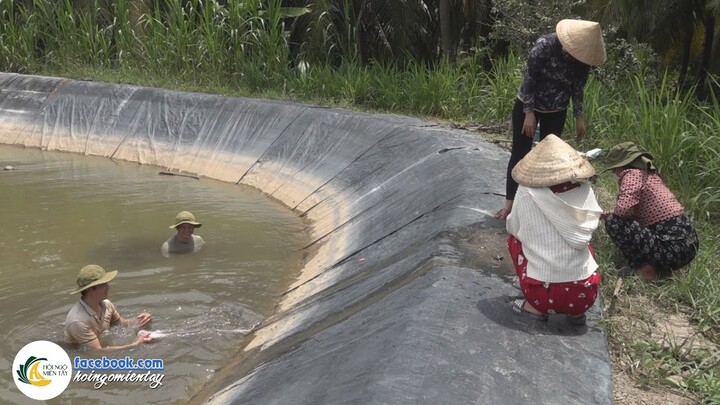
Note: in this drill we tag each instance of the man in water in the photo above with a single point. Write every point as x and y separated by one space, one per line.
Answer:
184 241
94 313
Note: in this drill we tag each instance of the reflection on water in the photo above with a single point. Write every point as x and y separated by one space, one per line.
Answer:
62 211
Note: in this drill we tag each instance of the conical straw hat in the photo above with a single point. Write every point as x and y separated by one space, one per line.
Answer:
582 40
551 162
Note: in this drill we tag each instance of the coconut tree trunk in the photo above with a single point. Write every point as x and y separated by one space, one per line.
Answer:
715 55
706 53
685 62
446 33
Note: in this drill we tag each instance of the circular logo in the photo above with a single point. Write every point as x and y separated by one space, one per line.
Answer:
42 370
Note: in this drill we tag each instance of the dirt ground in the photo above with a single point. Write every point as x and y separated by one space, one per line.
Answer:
627 392
634 317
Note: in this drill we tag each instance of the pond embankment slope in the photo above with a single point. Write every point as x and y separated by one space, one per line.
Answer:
403 298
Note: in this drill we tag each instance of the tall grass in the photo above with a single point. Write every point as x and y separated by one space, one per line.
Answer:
496 91
683 136
17 37
245 41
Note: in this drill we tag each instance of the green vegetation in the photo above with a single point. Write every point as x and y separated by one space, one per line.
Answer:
684 137
332 53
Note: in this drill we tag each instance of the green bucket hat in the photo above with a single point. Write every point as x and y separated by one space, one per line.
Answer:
92 275
627 154
185 217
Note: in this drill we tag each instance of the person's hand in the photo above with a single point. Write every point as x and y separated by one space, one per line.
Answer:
529 125
143 319
502 214
505 211
143 337
580 126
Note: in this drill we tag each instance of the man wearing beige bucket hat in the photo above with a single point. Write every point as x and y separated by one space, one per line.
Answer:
550 228
93 314
648 224
184 241
557 70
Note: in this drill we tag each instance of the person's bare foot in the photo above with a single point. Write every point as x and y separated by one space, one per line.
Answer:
527 307
647 272
522 307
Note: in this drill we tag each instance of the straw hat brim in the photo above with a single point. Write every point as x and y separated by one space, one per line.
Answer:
197 224
105 279
582 40
551 162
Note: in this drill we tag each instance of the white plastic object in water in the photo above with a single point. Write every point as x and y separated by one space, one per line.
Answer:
153 334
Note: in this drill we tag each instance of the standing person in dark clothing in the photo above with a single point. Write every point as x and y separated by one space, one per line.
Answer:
557 70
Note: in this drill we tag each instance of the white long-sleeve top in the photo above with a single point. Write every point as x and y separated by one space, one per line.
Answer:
555 230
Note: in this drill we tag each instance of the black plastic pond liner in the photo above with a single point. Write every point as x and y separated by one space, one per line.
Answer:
393 305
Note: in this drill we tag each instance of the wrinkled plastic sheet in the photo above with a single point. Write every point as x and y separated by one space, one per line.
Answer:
383 312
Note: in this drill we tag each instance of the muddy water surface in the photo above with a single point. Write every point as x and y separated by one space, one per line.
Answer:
61 211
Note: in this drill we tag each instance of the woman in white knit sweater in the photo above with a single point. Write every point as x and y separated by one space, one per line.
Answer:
552 222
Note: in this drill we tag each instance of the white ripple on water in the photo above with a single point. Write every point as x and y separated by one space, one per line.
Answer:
45 259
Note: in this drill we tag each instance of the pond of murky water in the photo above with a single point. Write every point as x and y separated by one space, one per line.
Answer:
61 211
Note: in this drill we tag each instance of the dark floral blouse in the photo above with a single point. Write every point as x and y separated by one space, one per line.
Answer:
552 77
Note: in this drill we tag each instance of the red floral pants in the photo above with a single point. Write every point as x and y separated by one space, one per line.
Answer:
571 298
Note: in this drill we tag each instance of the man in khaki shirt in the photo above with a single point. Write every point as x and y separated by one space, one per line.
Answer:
94 313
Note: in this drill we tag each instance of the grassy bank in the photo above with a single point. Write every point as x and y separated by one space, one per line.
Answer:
683 136
243 53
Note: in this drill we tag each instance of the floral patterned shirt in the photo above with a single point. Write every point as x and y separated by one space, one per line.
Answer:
552 77
643 196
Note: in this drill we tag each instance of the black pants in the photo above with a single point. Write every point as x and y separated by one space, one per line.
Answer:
550 123
667 245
